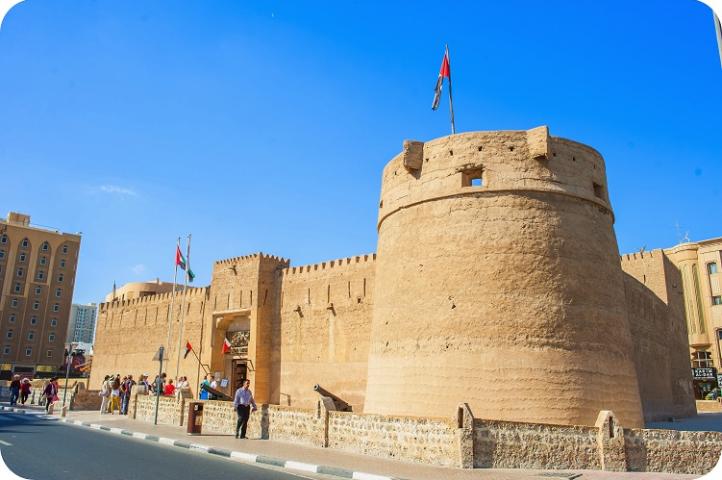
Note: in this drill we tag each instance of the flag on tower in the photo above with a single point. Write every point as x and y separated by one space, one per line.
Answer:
189 347
226 346
444 72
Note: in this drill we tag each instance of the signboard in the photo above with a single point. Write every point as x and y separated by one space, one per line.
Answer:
704 373
224 383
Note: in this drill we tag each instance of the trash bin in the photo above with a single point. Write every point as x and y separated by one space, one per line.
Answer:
195 418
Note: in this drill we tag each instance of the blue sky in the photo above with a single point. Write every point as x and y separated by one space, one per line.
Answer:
265 125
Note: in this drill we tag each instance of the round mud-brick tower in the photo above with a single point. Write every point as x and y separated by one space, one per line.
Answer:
498 283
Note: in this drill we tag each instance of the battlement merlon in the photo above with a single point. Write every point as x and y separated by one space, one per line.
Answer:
491 162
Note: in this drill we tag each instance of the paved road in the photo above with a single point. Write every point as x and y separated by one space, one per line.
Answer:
39 449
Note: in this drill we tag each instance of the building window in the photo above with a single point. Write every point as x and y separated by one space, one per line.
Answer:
712 268
4 239
49 354
18 288
702 360
9 334
14 303
51 338
2 253
11 318
62 263
31 335
38 291
20 272
53 322
65 249
43 260
36 305
22 257
25 243
28 351
61 277
45 247
40 275
6 350
58 292
33 320
717 300
56 307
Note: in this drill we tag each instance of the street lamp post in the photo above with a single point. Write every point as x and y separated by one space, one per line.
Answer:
68 360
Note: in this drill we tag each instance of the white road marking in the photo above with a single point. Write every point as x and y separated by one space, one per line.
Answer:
139 435
368 476
244 457
304 467
3 442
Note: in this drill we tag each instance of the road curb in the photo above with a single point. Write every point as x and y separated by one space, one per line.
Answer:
243 457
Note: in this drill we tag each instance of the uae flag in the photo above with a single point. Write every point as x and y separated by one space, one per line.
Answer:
180 260
444 72
189 347
226 346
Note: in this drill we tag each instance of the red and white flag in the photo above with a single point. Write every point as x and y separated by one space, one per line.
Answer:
444 72
226 346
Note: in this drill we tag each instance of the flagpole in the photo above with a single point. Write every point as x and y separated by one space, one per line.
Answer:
183 309
172 301
718 31
451 101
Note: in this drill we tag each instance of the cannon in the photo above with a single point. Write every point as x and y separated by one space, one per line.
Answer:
218 394
340 404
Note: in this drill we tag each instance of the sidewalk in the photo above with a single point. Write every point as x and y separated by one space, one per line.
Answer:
348 462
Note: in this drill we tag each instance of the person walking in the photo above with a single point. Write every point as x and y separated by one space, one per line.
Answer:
15 390
51 393
129 382
24 390
244 404
104 395
114 395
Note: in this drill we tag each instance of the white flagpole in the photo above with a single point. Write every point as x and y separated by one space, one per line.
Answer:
183 307
172 301
451 101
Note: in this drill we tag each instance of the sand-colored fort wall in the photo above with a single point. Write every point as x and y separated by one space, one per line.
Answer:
507 295
655 306
325 319
129 333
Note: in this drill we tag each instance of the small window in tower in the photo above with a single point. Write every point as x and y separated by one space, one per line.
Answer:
37 290
45 246
28 352
53 322
598 190
2 253
712 268
43 260
51 338
4 239
6 350
49 354
25 243
473 177
22 257
65 249
33 320
717 300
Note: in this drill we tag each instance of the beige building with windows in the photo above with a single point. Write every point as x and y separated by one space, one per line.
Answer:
700 264
497 282
37 276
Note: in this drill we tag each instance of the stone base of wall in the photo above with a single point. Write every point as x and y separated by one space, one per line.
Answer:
462 442
705 406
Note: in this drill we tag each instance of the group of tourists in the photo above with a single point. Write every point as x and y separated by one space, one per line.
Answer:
19 389
116 391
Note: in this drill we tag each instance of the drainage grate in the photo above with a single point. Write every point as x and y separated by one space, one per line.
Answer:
570 476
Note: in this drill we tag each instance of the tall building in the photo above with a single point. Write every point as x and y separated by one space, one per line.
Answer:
700 264
81 327
37 276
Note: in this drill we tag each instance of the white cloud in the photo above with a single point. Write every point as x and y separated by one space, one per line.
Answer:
138 269
117 190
